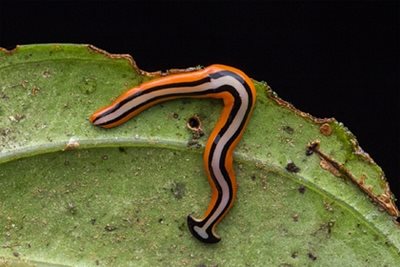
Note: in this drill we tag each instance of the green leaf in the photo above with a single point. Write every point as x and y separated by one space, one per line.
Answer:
75 195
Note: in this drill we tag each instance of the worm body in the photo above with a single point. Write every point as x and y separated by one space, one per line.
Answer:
216 81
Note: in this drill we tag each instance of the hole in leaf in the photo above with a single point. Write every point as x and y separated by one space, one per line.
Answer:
194 123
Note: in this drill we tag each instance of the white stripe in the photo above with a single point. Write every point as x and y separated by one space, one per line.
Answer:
143 98
215 163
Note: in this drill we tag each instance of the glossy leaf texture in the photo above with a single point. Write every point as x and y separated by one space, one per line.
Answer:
75 195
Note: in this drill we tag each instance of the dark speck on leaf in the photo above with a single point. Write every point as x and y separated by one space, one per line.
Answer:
182 227
288 129
312 256
122 149
311 148
193 143
178 190
291 167
302 189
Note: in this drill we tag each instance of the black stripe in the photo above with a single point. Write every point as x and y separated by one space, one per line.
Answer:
182 95
150 90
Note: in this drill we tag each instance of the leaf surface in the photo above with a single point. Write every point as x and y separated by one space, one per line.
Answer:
73 194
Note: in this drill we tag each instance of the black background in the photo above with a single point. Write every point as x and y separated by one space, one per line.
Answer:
331 59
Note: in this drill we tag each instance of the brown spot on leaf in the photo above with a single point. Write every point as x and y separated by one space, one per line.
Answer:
71 145
35 90
326 165
361 181
325 129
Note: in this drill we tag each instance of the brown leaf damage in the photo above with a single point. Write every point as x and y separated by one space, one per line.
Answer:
385 200
135 67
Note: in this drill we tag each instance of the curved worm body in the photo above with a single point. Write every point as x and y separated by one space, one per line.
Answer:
216 81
